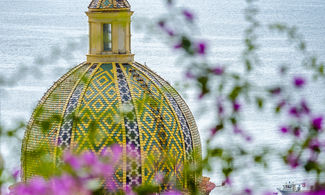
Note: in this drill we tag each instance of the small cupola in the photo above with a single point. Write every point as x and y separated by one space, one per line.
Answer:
109 31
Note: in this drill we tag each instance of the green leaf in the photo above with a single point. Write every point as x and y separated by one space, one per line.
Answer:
259 102
217 152
235 92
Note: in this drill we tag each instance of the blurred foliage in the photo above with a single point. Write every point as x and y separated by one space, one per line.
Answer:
225 91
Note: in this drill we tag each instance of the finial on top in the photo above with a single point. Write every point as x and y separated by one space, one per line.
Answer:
109 4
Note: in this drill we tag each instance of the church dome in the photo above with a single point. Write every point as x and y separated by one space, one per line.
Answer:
111 99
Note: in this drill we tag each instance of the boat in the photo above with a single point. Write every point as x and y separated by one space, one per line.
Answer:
292 188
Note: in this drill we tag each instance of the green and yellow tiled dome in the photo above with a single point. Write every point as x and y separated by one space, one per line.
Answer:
111 99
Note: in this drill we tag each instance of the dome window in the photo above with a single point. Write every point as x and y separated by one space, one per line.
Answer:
107 37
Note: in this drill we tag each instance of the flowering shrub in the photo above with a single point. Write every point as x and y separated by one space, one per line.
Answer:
227 94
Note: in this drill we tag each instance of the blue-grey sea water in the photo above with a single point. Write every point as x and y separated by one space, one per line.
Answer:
36 30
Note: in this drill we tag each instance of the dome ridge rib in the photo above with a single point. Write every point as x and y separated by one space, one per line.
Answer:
136 111
98 65
66 105
116 84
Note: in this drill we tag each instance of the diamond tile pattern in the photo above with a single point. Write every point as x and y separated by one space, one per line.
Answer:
124 104
67 124
184 125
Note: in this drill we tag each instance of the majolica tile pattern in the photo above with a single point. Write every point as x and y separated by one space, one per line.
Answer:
67 124
109 4
124 104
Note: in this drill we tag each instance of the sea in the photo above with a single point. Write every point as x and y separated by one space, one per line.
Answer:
52 35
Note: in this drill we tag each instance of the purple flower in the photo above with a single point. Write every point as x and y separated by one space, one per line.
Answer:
201 96
173 192
218 71
317 123
189 75
314 144
299 82
284 129
248 191
159 178
201 48
237 130
226 182
128 191
304 107
178 46
282 103
248 138
117 153
111 185
319 192
188 15
236 106
16 174
294 111
276 91
293 160
161 24
170 32
37 185
89 158
214 131
297 132
71 160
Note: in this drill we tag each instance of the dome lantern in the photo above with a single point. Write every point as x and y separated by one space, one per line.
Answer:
109 31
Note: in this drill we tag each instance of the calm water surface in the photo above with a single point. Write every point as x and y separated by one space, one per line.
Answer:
33 28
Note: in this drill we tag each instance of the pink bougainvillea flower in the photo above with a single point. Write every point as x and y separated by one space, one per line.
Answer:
296 132
227 181
170 32
284 129
189 75
201 95
293 160
314 144
89 158
276 91
248 191
237 130
294 111
214 131
178 45
218 70
173 192
236 106
248 138
111 185
188 15
304 107
299 82
16 174
161 24
319 192
72 160
117 153
317 123
128 191
201 48
37 185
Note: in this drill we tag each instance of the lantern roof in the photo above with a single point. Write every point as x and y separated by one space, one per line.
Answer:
109 4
